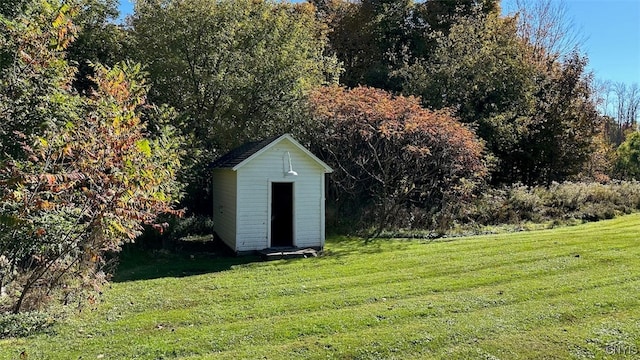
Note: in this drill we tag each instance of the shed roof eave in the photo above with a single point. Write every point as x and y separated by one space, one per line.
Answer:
327 169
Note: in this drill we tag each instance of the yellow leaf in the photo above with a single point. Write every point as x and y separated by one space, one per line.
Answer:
144 147
118 227
58 21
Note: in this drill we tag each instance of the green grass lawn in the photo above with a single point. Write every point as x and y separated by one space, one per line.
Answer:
555 294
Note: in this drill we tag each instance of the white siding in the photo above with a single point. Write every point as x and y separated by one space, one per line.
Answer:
254 187
224 205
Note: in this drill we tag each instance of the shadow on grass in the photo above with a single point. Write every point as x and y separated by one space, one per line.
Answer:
135 264
339 246
196 258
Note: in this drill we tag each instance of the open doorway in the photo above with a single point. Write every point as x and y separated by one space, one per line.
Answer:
281 214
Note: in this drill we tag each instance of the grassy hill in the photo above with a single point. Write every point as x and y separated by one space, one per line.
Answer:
565 293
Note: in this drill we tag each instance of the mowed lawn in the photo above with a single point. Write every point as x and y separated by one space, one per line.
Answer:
565 293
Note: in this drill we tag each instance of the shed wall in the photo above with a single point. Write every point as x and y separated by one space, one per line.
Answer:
254 190
225 205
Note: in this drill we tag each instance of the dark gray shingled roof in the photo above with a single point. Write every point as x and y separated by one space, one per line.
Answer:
240 154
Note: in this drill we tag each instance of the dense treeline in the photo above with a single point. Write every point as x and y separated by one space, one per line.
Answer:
420 107
535 112
236 71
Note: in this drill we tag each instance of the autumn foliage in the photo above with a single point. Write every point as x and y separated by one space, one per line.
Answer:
82 190
80 181
395 160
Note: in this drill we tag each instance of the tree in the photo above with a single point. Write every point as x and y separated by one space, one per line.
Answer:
626 110
84 189
479 71
98 40
627 104
11 8
375 38
628 157
620 104
545 26
563 124
32 71
368 38
237 71
82 182
399 162
538 118
442 15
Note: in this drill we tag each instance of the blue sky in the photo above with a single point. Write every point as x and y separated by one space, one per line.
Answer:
611 31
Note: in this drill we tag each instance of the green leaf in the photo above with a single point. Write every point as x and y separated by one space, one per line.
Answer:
9 220
43 142
144 147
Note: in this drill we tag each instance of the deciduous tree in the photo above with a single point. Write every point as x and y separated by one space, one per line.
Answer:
562 127
236 70
479 71
34 93
628 157
375 38
99 40
83 189
538 118
548 30
392 157
83 174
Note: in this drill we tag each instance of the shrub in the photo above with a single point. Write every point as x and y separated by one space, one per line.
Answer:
628 157
559 203
392 158
524 203
23 324
79 175
190 226
83 188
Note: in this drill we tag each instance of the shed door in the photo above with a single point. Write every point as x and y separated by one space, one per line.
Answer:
281 214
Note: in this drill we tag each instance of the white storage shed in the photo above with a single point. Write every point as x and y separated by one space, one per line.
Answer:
269 194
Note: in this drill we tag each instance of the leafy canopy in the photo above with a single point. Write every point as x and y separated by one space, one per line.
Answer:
392 156
628 157
79 176
235 70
